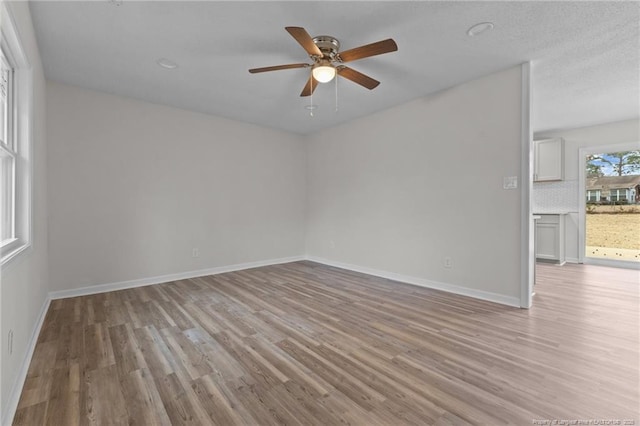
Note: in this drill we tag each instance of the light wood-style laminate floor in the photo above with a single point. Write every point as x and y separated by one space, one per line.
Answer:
308 344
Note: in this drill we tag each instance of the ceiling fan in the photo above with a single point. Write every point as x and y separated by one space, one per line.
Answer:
328 61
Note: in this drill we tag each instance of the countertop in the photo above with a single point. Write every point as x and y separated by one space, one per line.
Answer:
538 212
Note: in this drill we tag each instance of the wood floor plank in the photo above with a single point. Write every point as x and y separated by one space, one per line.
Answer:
105 399
185 354
154 351
126 352
304 343
221 408
64 399
144 405
292 369
223 365
37 386
98 347
32 415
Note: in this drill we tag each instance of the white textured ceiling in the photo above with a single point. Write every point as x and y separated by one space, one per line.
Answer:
585 55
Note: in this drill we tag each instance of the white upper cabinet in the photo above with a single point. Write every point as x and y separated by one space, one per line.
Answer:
548 160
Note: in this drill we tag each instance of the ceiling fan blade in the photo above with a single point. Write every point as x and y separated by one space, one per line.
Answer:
357 77
302 36
278 67
373 49
309 87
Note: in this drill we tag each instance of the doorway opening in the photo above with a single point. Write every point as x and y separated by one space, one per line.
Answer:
611 206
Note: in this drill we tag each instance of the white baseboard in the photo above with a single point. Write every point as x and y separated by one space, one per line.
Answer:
122 285
450 288
18 384
572 260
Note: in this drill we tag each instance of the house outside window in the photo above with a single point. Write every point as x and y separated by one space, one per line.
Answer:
613 189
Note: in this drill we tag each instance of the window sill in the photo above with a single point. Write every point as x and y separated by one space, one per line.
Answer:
12 253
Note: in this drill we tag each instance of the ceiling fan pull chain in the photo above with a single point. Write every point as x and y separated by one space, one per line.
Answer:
336 78
311 97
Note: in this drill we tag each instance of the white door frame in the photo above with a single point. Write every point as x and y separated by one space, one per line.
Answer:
582 208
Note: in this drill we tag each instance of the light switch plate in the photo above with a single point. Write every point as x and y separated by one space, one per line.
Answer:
510 182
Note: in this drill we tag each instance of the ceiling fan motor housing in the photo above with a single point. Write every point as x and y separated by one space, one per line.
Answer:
329 46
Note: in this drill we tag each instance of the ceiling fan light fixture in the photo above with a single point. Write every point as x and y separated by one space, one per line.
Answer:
323 73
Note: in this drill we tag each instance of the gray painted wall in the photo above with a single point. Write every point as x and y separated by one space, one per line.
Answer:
134 187
401 190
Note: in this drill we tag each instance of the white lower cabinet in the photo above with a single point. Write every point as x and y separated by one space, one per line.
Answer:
550 238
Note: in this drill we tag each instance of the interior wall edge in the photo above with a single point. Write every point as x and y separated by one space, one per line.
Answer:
527 255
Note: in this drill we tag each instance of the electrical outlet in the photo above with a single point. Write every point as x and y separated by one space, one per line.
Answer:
332 244
195 252
448 262
10 342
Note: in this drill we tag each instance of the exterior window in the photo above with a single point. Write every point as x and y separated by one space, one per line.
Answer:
618 195
593 196
16 105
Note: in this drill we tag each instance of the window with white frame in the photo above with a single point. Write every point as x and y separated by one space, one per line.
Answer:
16 88
618 194
593 195
7 153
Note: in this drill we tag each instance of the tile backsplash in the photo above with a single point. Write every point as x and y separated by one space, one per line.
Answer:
554 197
